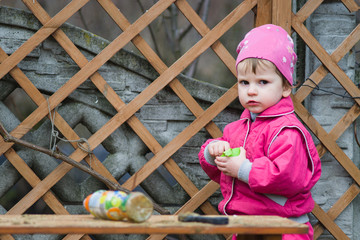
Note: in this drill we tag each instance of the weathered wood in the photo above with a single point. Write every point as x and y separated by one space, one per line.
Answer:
64 91
346 45
338 207
173 71
346 121
281 14
89 69
330 225
324 57
157 224
178 88
351 5
203 29
327 141
263 12
308 9
40 36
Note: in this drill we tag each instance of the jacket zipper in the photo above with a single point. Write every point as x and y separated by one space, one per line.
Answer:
233 180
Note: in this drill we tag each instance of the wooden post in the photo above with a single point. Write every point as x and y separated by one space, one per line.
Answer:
281 14
263 12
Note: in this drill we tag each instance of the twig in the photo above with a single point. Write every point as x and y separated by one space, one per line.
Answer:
112 185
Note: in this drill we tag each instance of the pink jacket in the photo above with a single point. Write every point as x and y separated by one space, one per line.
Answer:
281 168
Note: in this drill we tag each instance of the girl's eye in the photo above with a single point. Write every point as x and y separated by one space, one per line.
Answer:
243 82
263 82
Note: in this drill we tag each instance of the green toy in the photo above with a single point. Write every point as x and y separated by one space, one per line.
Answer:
231 152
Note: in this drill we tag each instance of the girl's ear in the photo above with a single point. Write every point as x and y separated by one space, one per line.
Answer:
286 92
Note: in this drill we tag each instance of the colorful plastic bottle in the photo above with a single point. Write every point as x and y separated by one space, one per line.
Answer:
118 205
231 152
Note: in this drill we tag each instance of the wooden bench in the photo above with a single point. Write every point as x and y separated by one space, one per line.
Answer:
247 227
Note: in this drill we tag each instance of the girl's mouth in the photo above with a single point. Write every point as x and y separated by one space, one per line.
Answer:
252 103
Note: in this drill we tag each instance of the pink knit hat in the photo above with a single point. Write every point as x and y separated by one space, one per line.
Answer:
272 43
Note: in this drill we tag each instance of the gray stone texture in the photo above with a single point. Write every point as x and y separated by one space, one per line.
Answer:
330 24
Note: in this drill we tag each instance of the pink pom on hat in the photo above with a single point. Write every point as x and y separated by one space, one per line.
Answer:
272 43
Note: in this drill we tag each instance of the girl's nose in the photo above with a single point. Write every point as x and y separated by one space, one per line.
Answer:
252 90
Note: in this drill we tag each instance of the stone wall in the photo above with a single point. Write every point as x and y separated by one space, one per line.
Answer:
330 24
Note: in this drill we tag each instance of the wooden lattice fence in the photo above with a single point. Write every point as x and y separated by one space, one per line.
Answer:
267 11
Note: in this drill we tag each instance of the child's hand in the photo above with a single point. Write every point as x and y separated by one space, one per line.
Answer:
230 165
218 147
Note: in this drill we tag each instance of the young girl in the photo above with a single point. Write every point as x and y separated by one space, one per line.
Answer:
278 162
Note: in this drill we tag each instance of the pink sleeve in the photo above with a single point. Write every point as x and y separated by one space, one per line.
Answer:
287 169
211 170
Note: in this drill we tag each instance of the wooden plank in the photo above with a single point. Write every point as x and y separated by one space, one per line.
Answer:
87 70
173 71
49 198
158 64
199 198
157 224
133 106
263 12
40 36
59 122
307 9
334 229
351 5
281 14
338 207
203 29
324 57
116 101
194 203
180 139
327 141
341 126
63 168
347 44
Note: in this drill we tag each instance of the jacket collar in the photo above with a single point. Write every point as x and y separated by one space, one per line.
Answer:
284 107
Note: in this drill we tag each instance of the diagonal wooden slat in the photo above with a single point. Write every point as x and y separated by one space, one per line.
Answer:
160 66
308 8
203 29
351 5
336 56
156 62
40 36
132 107
12 156
334 229
341 126
338 207
335 150
87 71
59 122
62 169
328 141
117 103
220 104
324 57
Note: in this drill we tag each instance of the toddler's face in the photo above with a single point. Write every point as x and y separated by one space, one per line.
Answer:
261 90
